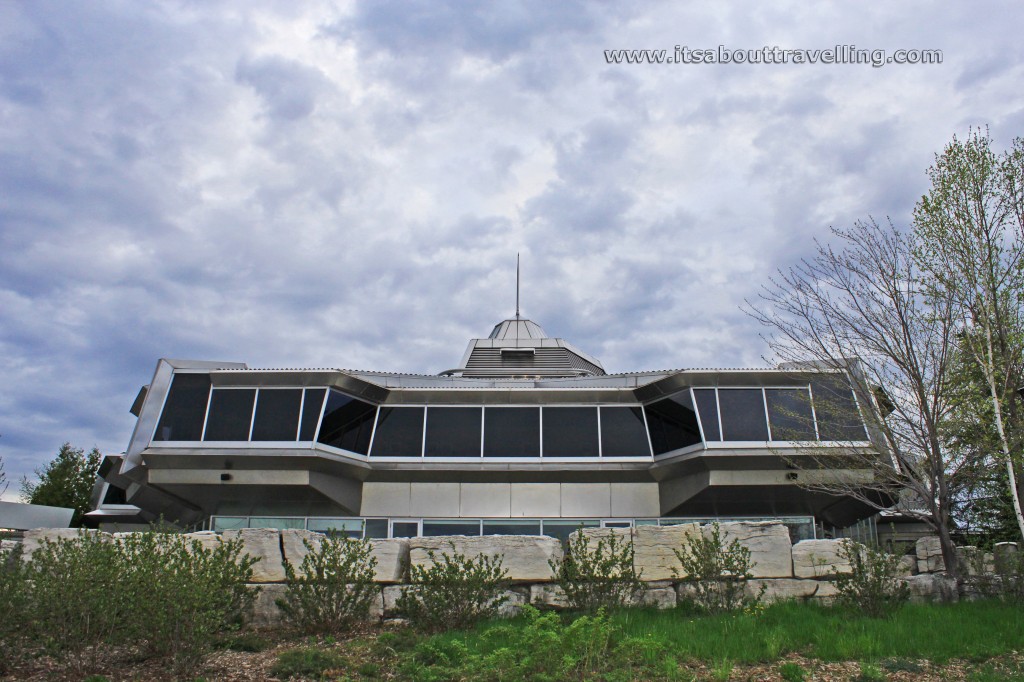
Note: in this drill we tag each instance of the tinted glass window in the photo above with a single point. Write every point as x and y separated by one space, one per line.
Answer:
742 414
347 423
444 528
511 527
623 433
311 412
185 408
277 414
707 405
453 432
673 423
838 418
230 414
399 432
570 432
789 413
512 432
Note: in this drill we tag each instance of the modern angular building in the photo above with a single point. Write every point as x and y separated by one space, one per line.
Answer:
527 435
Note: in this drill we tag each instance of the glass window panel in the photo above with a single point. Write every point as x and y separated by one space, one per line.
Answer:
347 423
742 414
223 523
623 433
230 414
673 423
277 414
453 432
838 418
570 432
115 495
185 408
707 405
405 529
278 522
348 528
376 528
399 432
311 412
563 529
512 432
433 528
513 527
789 413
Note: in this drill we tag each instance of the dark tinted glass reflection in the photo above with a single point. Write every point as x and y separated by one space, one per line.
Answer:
623 433
453 432
448 528
789 413
707 405
230 414
570 432
185 408
512 432
311 412
838 418
399 432
347 423
277 414
673 423
742 414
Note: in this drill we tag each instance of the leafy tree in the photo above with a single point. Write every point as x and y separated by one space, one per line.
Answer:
67 481
970 226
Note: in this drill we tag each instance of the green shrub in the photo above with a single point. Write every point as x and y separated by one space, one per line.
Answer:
597 574
873 585
869 673
307 663
717 572
454 591
183 594
14 605
334 587
792 672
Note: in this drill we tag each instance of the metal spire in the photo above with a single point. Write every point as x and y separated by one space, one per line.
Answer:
517 285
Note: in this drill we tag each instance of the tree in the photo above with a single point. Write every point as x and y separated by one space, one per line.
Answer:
3 478
860 308
67 481
971 244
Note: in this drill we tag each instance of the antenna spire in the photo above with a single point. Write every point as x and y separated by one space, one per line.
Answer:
517 284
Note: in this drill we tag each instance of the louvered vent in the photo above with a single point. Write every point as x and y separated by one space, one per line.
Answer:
551 362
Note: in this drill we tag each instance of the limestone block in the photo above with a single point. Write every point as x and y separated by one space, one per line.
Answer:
970 560
929 555
1004 556
376 613
782 589
548 596
524 557
768 542
931 587
33 539
654 549
595 534
207 539
659 598
265 612
7 546
392 557
389 598
292 547
513 604
820 558
265 545
989 562
908 566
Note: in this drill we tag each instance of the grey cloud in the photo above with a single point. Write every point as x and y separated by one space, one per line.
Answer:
289 89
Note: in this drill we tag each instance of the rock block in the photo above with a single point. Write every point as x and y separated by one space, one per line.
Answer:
1004 555
908 566
932 587
207 539
659 598
389 599
265 612
929 555
392 558
654 550
292 548
524 557
548 596
768 542
265 545
33 539
970 560
819 558
512 605
782 589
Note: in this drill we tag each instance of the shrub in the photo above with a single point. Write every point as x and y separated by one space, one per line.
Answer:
183 594
873 585
333 588
717 572
454 591
597 574
792 672
307 663
14 605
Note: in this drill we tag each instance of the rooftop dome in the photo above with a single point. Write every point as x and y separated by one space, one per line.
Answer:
517 328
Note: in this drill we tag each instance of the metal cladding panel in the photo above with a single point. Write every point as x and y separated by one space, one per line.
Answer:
536 500
586 499
434 499
485 500
386 499
17 516
635 499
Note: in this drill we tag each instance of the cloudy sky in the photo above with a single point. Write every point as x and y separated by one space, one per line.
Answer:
347 184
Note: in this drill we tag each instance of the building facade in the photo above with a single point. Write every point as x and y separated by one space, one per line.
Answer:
527 435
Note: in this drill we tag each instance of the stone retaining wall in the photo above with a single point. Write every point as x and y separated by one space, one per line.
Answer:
786 571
